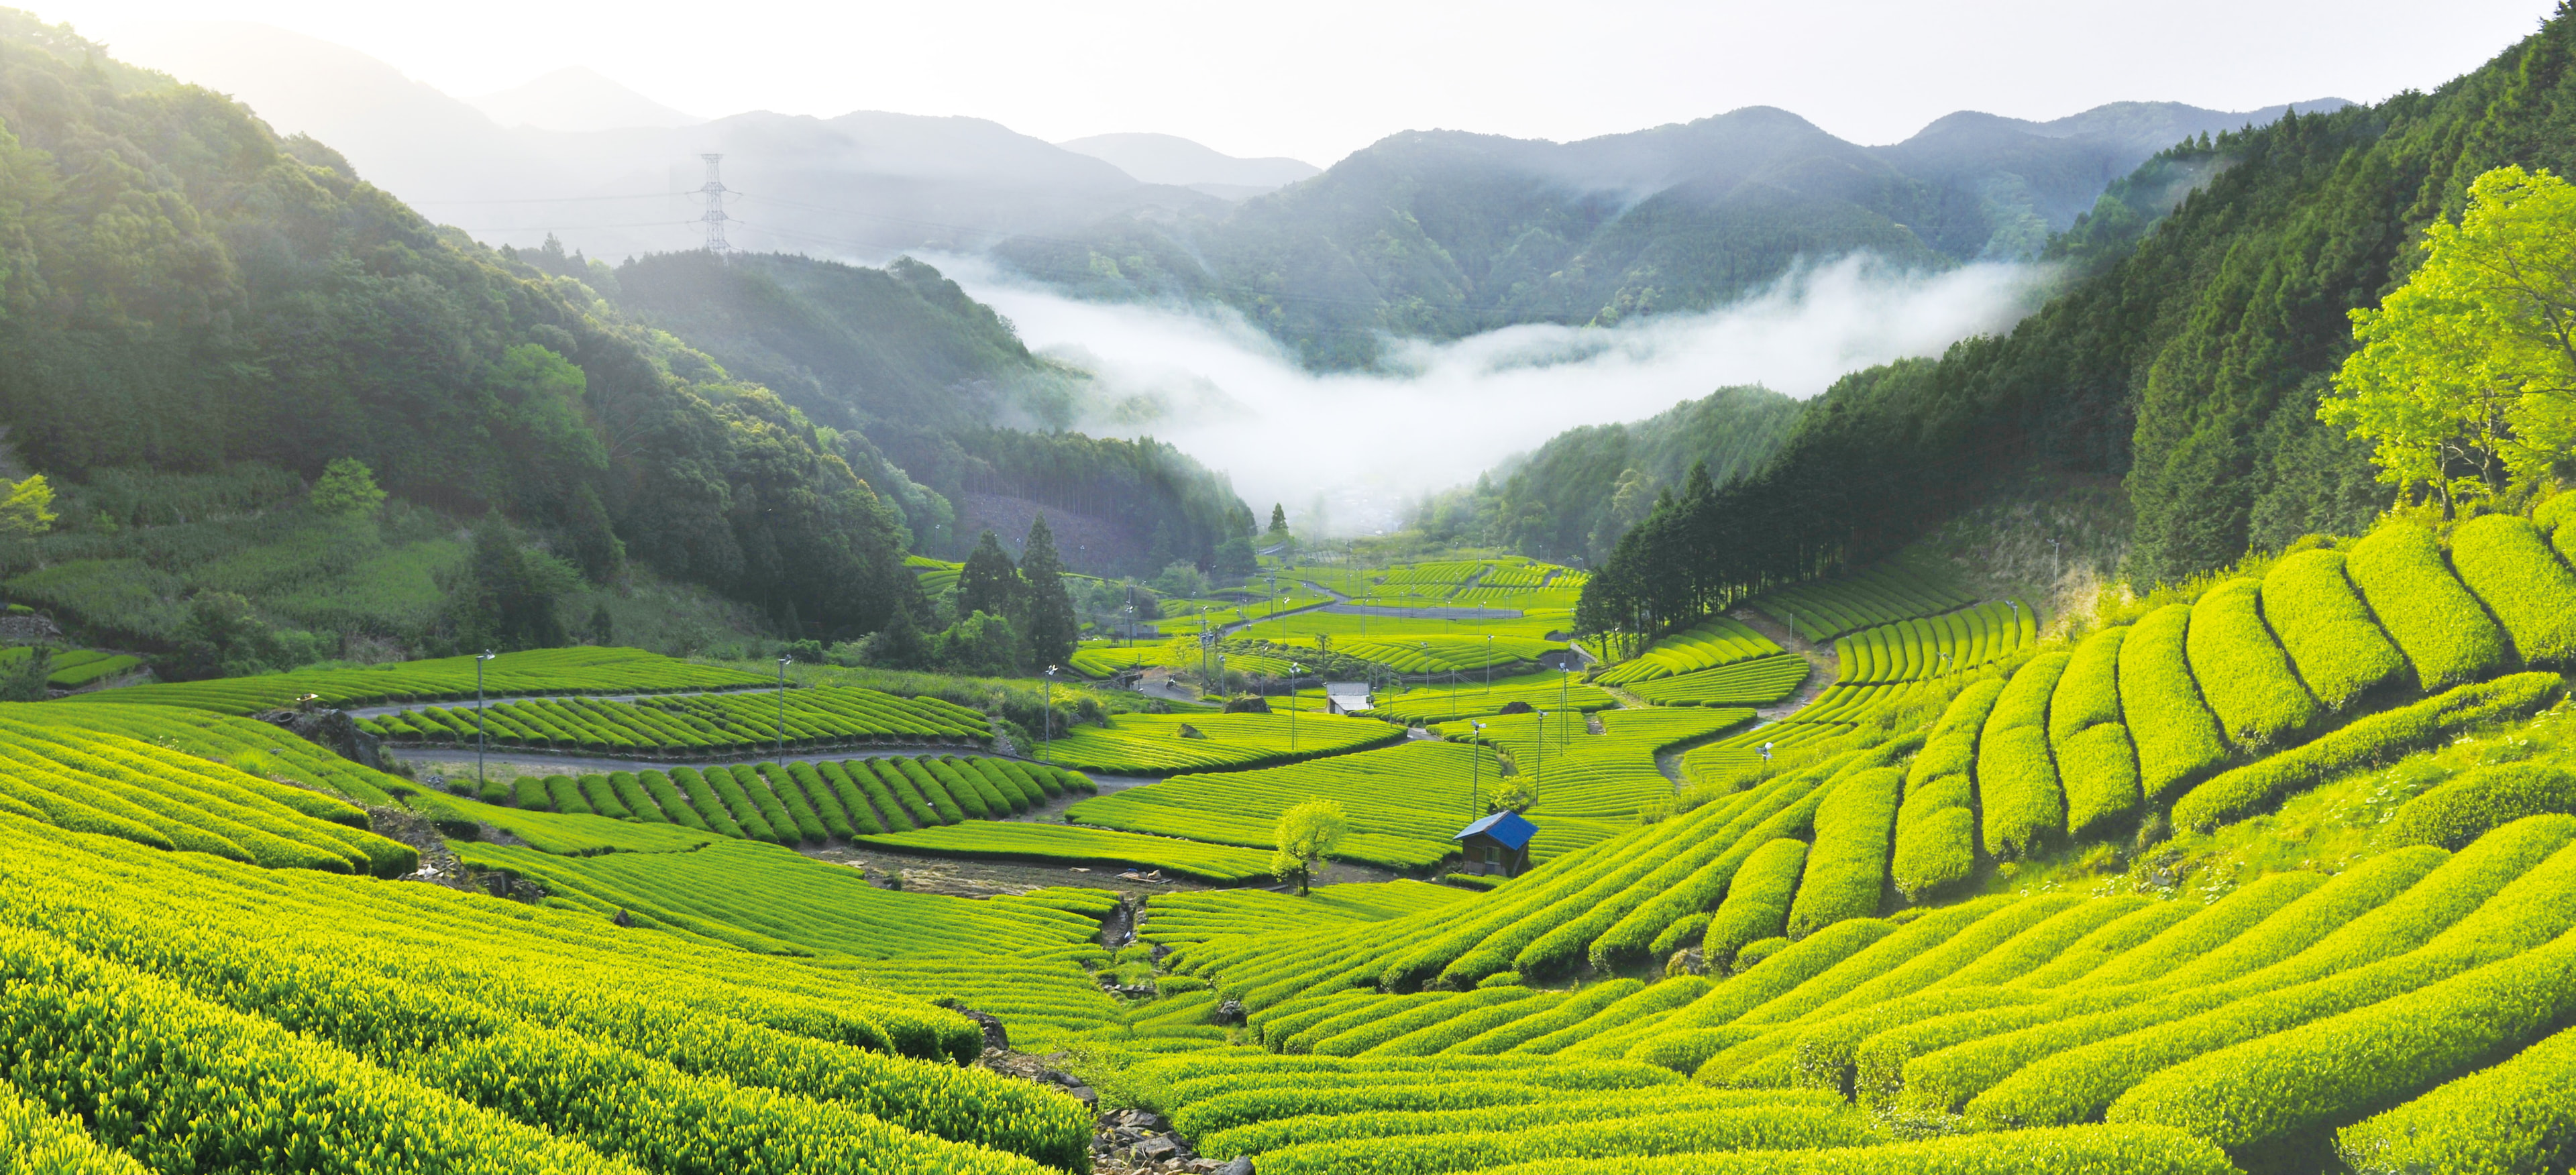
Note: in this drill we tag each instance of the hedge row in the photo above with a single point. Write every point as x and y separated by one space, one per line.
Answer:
2376 739
1848 866
1366 1037
103 1042
2016 778
2445 635
2314 1075
1791 811
2243 675
2320 933
2126 1149
2338 650
1936 828
41 1143
2519 1116
1757 904
2508 563
1446 1035
1753 1128
2481 799
1266 1136
2177 740
2096 765
2080 1084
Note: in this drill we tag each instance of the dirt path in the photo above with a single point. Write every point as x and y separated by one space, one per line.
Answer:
979 877
1827 666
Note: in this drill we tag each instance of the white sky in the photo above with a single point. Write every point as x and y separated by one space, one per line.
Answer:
1318 79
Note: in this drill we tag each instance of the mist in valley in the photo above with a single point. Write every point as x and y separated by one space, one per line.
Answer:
1357 449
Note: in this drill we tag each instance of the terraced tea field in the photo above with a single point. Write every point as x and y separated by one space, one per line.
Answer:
692 726
538 671
1166 744
1791 963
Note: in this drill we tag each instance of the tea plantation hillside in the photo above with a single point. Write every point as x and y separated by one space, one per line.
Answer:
2131 897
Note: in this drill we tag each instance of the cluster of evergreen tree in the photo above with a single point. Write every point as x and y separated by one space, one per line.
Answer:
1012 618
181 289
2187 356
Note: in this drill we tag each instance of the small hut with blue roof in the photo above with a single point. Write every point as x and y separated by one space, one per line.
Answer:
1497 845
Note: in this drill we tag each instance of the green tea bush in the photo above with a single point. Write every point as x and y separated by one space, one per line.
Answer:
1848 866
1579 1007
1443 1036
2245 677
2376 739
2507 562
2552 518
1761 1128
83 1033
2318 1073
2517 1116
1652 1001
1267 1136
1757 903
1936 827
2480 799
1711 643
2125 1149
2088 954
2441 628
39 1141
2078 1085
2177 739
2016 778
2336 647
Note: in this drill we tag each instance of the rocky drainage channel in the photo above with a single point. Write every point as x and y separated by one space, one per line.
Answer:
1123 1142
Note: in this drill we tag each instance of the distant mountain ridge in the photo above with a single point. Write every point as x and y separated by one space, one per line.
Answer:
1443 233
864 185
1171 159
577 99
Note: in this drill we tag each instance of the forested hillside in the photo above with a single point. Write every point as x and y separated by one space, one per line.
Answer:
187 292
1586 486
936 397
2189 364
1443 234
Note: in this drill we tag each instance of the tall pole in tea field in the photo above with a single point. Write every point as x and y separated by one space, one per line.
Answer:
1476 768
1538 774
1293 670
479 659
1489 662
1046 740
782 714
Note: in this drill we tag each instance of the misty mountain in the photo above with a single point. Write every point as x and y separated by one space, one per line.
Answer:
1443 234
868 184
942 409
1171 159
1575 495
577 99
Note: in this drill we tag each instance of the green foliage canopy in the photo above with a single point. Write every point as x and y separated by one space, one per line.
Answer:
2466 377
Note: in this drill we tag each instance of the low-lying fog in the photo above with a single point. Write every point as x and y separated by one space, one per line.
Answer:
1359 447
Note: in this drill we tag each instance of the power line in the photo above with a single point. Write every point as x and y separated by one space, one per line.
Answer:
554 199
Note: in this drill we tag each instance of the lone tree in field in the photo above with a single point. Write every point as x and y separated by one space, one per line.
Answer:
1053 627
1278 521
347 487
1307 832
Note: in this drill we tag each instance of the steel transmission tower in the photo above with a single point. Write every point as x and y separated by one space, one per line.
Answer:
714 218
